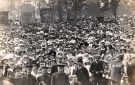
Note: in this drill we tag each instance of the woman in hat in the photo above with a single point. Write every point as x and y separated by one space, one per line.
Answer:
60 78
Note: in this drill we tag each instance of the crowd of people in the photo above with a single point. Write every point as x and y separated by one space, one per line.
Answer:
90 51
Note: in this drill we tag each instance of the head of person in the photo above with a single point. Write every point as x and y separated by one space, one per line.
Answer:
80 62
41 58
29 69
60 68
60 60
18 71
35 67
121 57
90 59
4 61
24 70
97 57
52 54
45 70
123 50
53 62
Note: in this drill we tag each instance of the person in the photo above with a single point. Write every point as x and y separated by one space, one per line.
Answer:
44 78
60 78
29 79
97 70
54 67
81 72
35 69
1 76
117 70
18 76
124 81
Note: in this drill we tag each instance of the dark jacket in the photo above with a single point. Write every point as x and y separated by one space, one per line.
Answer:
19 81
45 78
82 75
59 79
97 68
29 79
54 70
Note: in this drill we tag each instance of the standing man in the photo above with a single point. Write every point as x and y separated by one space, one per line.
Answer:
18 76
60 78
29 79
97 70
44 79
54 67
81 72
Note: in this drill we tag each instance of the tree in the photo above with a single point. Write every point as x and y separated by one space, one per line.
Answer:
115 4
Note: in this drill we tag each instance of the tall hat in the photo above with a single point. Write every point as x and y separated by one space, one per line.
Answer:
79 60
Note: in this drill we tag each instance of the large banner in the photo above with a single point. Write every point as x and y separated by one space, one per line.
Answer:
26 17
4 17
45 15
27 13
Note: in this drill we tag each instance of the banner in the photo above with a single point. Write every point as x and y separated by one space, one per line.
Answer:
45 15
27 13
4 17
26 17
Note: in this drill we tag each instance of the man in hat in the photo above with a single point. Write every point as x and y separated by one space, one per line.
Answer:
81 72
29 79
60 78
44 78
18 76
97 70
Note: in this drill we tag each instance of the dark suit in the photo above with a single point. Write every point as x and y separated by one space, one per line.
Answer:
29 79
82 75
97 69
59 79
54 70
45 78
19 81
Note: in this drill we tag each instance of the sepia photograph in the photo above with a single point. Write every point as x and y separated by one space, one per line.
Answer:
67 42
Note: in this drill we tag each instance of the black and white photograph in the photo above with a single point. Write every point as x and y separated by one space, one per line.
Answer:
67 42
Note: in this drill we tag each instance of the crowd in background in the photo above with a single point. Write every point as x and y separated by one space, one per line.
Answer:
42 44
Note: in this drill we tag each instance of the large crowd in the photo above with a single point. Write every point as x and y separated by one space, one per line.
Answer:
38 48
